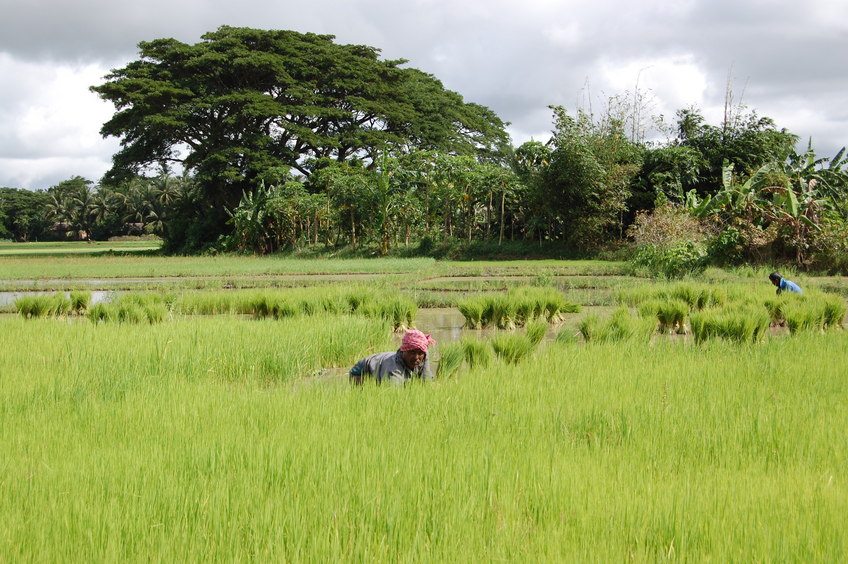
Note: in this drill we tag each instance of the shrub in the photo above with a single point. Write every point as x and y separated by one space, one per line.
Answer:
669 243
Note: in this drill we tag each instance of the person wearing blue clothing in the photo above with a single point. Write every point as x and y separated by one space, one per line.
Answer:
784 285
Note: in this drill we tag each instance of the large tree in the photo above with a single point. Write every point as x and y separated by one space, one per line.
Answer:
244 100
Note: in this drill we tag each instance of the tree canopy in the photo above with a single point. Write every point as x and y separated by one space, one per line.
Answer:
244 100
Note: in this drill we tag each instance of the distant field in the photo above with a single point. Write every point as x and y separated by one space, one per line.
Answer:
77 247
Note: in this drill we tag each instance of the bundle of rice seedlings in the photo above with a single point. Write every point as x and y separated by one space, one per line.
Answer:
535 331
834 310
400 312
589 327
101 312
472 310
621 326
335 303
477 353
281 308
566 335
155 312
129 312
804 315
58 304
745 325
774 307
672 316
502 312
80 301
260 306
30 306
512 347
451 357
524 311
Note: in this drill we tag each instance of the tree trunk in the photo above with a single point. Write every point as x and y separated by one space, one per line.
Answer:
501 235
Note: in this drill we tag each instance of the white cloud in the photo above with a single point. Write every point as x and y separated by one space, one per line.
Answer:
51 123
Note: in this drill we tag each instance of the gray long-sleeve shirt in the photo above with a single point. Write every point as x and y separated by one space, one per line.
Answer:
390 366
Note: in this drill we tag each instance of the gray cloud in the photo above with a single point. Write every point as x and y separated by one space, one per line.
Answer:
786 60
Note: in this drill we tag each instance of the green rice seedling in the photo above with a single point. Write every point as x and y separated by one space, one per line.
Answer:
308 306
621 326
524 312
358 297
688 293
155 312
472 310
672 316
589 327
512 348
101 312
129 312
335 304
400 312
536 330
742 325
566 335
774 307
834 310
80 301
281 308
58 304
451 357
804 315
478 353
502 312
260 306
27 307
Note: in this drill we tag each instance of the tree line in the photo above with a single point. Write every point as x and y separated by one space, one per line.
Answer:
286 140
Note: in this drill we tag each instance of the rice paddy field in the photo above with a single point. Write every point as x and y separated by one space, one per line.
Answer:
201 412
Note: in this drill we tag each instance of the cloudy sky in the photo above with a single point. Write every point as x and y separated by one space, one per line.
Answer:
787 60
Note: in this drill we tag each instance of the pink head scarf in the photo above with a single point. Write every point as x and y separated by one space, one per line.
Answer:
415 339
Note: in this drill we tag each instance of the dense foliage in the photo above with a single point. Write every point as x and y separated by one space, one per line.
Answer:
288 140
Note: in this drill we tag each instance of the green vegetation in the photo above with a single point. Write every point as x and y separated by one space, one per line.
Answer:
292 143
209 438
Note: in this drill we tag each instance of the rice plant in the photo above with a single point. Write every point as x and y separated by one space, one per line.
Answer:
478 353
472 311
101 312
671 314
451 358
512 348
536 330
621 326
51 305
740 325
516 308
80 301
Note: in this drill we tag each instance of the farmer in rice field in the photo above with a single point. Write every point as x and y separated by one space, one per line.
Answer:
409 361
784 285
